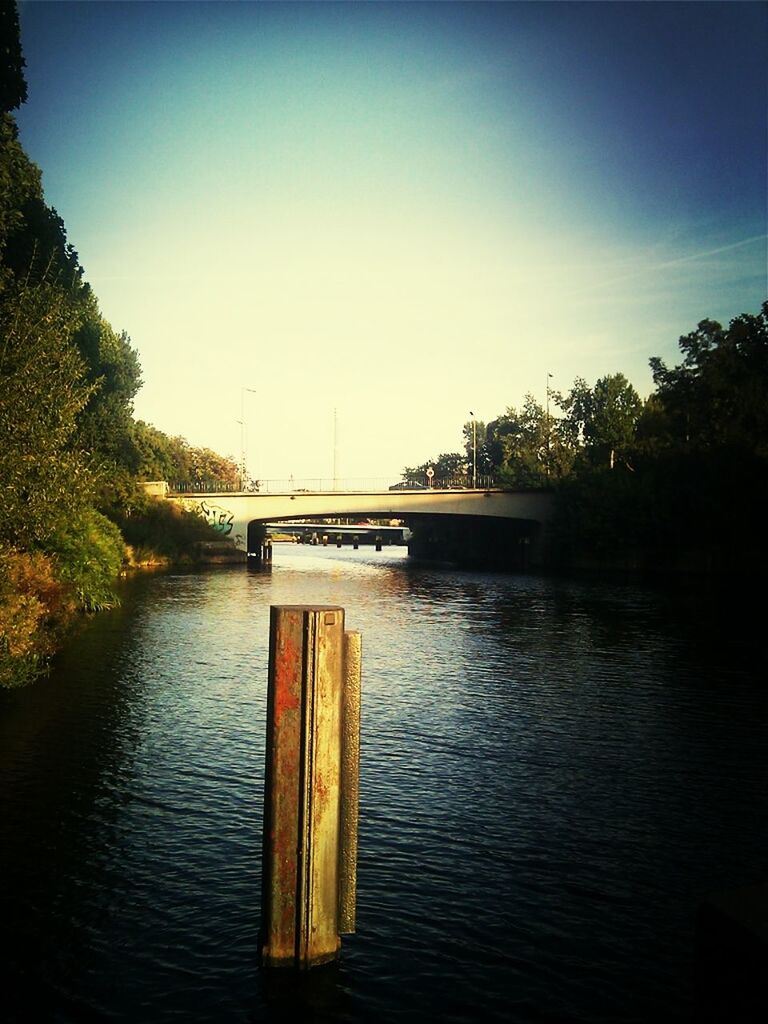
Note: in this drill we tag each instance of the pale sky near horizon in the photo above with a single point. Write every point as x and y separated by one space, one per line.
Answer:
398 211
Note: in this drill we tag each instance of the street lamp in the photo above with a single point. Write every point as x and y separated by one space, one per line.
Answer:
549 431
474 450
241 421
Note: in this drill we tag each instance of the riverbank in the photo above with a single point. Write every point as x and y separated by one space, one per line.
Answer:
44 594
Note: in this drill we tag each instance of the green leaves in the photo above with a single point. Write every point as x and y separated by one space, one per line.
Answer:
718 395
42 392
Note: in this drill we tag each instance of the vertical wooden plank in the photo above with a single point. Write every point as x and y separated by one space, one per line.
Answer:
350 781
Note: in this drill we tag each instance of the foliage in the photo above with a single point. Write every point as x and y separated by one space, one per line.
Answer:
161 457
106 423
603 419
89 551
20 180
33 606
449 466
475 434
13 87
42 391
520 445
164 530
718 395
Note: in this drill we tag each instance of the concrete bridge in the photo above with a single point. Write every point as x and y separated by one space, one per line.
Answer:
438 518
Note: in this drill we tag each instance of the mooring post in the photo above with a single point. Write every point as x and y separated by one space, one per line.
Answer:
310 793
350 780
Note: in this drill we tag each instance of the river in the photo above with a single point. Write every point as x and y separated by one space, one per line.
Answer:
554 774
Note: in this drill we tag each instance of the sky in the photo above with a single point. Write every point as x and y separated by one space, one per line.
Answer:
335 230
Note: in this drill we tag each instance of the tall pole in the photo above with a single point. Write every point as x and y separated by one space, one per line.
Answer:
335 451
243 433
474 450
549 431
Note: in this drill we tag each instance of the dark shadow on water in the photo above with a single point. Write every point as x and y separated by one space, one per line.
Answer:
317 995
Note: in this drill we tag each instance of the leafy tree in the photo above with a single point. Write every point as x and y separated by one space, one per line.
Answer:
603 419
89 552
476 447
20 181
718 395
520 445
105 426
449 467
43 476
173 459
36 247
13 86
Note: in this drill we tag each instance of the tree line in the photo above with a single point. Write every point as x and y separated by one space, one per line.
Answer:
72 454
678 480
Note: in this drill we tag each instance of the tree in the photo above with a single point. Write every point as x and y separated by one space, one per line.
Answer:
105 426
43 476
13 86
603 419
518 445
718 395
476 447
175 460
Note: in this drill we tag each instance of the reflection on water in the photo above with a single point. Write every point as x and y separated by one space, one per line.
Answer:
552 778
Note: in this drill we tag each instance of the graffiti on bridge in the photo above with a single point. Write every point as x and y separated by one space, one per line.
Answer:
221 519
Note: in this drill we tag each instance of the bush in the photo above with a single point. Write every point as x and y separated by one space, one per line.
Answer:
158 526
34 608
89 553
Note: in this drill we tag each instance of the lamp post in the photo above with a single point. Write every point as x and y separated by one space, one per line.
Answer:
549 431
241 421
474 450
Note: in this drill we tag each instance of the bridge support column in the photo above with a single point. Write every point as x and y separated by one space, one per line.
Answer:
259 553
310 796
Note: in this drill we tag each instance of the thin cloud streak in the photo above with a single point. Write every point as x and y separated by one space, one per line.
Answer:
666 264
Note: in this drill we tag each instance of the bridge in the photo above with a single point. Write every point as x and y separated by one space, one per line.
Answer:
439 516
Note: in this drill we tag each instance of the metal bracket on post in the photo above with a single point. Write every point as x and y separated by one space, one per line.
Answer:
311 786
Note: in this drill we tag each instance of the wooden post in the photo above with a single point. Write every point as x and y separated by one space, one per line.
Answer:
350 781
307 851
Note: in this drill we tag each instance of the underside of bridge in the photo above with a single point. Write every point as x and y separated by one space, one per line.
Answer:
484 542
476 542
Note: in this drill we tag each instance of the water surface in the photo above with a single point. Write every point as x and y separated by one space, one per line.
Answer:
554 774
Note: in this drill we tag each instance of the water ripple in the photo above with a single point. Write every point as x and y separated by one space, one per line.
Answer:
552 778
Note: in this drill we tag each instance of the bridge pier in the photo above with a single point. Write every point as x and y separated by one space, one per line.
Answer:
259 552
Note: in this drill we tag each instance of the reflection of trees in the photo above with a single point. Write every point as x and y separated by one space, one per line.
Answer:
61 742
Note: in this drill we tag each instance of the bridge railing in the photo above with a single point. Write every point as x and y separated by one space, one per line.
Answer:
313 485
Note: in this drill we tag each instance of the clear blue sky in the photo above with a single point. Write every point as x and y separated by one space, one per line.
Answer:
401 212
